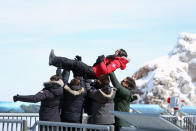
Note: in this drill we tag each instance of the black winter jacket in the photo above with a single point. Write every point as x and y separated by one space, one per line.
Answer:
73 99
50 97
102 103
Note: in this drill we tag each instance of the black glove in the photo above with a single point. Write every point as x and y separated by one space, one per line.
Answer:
87 86
15 98
77 57
99 60
135 97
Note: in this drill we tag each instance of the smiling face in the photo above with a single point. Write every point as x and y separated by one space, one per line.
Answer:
124 82
116 52
129 83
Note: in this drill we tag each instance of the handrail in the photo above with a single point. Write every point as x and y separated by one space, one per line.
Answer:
71 125
19 114
14 124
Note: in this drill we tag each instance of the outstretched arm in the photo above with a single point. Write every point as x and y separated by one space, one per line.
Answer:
59 73
65 76
82 81
114 80
123 91
42 95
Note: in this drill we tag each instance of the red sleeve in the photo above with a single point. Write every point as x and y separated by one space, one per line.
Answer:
112 66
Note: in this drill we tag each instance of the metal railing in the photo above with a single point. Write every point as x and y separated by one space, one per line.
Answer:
172 119
31 118
13 125
187 122
62 126
30 121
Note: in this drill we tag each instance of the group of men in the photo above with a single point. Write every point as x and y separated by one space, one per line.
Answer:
89 91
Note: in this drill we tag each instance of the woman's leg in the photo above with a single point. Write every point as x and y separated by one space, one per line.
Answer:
73 65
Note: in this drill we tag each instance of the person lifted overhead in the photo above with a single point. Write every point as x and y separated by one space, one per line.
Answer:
103 65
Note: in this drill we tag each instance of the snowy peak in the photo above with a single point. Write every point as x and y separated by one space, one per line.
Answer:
171 75
186 47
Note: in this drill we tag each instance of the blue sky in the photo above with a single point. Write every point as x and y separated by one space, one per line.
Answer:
146 29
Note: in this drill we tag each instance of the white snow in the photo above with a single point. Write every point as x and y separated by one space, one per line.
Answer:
175 74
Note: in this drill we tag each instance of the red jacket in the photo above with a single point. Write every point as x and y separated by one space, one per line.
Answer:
109 65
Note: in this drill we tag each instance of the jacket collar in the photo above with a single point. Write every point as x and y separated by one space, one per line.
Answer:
78 92
59 82
107 95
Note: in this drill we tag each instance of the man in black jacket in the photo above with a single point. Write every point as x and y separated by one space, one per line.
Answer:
73 97
102 102
49 96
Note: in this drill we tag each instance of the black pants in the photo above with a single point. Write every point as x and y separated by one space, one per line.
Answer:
117 128
76 66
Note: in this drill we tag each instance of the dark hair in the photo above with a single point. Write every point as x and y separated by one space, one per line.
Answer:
122 52
131 83
104 79
54 78
75 81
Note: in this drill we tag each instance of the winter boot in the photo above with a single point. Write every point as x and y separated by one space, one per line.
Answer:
51 57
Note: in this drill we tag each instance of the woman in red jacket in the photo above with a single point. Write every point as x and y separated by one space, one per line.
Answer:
103 65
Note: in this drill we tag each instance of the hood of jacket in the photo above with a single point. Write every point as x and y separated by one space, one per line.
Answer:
108 92
56 87
74 90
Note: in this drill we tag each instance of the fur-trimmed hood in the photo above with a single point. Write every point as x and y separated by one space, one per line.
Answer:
105 93
54 86
59 82
74 92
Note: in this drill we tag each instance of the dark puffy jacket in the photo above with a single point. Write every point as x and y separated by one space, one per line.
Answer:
102 103
73 99
50 97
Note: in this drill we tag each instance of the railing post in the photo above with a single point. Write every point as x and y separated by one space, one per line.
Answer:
111 127
24 125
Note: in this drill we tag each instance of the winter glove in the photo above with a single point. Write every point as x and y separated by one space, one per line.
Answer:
78 58
87 85
15 98
135 97
99 60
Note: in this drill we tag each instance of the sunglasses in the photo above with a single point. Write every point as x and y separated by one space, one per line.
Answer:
125 81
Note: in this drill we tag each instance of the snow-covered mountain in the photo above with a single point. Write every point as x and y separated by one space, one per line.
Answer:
170 75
